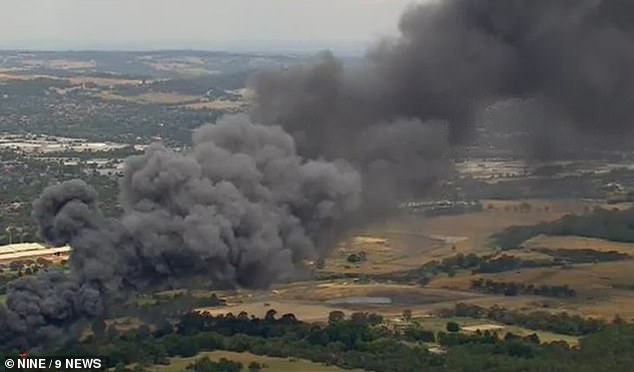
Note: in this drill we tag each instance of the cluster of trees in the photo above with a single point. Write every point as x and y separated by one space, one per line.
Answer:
360 341
460 261
211 86
450 265
423 274
583 255
513 288
357 257
562 322
416 333
507 263
375 347
601 223
511 344
223 365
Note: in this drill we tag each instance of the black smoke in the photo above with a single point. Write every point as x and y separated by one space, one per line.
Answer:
240 209
570 60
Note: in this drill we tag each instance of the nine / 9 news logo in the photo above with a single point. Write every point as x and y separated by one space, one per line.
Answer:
55 363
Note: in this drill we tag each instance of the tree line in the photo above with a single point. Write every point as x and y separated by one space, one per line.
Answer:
360 341
615 225
514 289
562 323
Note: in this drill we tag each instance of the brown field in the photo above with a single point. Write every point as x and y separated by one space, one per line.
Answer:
217 105
483 327
309 300
498 215
151 98
102 82
10 77
594 283
58 64
65 64
165 98
274 364
309 312
409 242
399 293
99 81
385 252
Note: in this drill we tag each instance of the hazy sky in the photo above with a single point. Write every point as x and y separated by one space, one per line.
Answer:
207 24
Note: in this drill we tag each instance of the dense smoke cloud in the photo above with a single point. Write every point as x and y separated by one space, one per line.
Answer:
242 208
333 113
572 60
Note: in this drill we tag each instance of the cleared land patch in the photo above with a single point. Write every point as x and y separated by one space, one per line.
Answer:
310 312
273 364
471 325
151 98
218 105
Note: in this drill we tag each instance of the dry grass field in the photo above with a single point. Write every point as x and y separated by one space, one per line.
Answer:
309 301
9 77
309 312
273 364
385 252
78 80
408 242
102 82
594 284
218 105
165 98
498 215
150 98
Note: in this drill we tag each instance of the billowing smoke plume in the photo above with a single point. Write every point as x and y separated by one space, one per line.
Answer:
245 207
242 208
570 60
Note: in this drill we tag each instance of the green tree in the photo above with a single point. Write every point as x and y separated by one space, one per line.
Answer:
270 315
407 315
255 367
452 327
336 317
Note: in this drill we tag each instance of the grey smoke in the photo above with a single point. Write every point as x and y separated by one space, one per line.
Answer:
242 208
453 58
245 207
